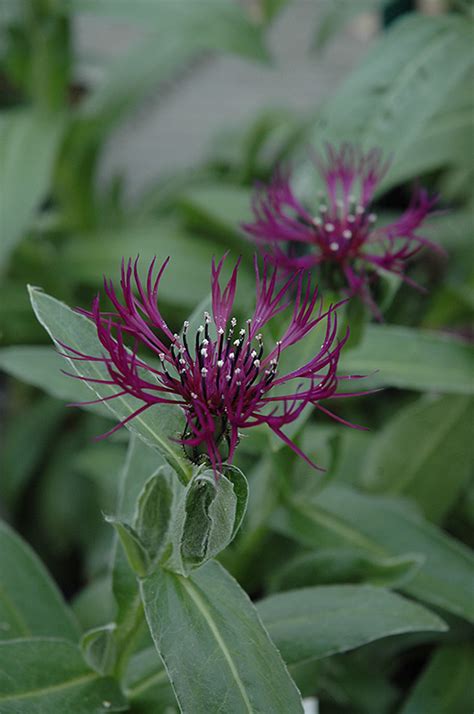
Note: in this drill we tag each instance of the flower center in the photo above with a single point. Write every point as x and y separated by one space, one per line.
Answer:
341 228
224 371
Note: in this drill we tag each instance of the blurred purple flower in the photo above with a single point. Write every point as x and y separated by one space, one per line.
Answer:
342 239
222 376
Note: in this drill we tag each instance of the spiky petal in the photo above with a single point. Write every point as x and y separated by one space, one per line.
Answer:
342 234
222 376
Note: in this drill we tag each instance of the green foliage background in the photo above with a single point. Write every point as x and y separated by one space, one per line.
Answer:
394 512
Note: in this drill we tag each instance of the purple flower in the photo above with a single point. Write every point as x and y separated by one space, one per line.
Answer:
223 376
342 238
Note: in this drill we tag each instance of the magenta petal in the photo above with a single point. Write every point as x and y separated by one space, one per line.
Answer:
337 235
225 383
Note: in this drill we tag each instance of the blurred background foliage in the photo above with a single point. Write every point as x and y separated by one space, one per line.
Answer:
65 222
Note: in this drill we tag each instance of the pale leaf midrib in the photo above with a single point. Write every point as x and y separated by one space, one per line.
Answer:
413 586
42 691
327 519
201 605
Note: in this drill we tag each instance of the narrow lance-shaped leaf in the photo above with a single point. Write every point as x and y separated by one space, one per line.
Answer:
425 453
214 646
30 603
28 145
135 551
147 686
405 79
49 676
444 140
41 367
446 685
386 527
176 34
411 359
218 24
328 566
141 462
220 209
318 622
157 426
36 428
192 255
337 15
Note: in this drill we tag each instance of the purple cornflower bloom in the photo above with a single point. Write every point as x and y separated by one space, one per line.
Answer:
222 376
342 239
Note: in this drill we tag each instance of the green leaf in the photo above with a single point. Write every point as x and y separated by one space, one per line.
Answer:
94 605
135 551
214 646
99 648
220 209
415 451
100 463
453 231
411 359
157 426
35 430
271 8
339 13
444 142
404 80
17 322
177 33
312 623
28 146
49 676
351 454
350 681
147 685
345 565
215 24
447 685
382 527
154 512
41 367
191 255
67 508
141 462
30 603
